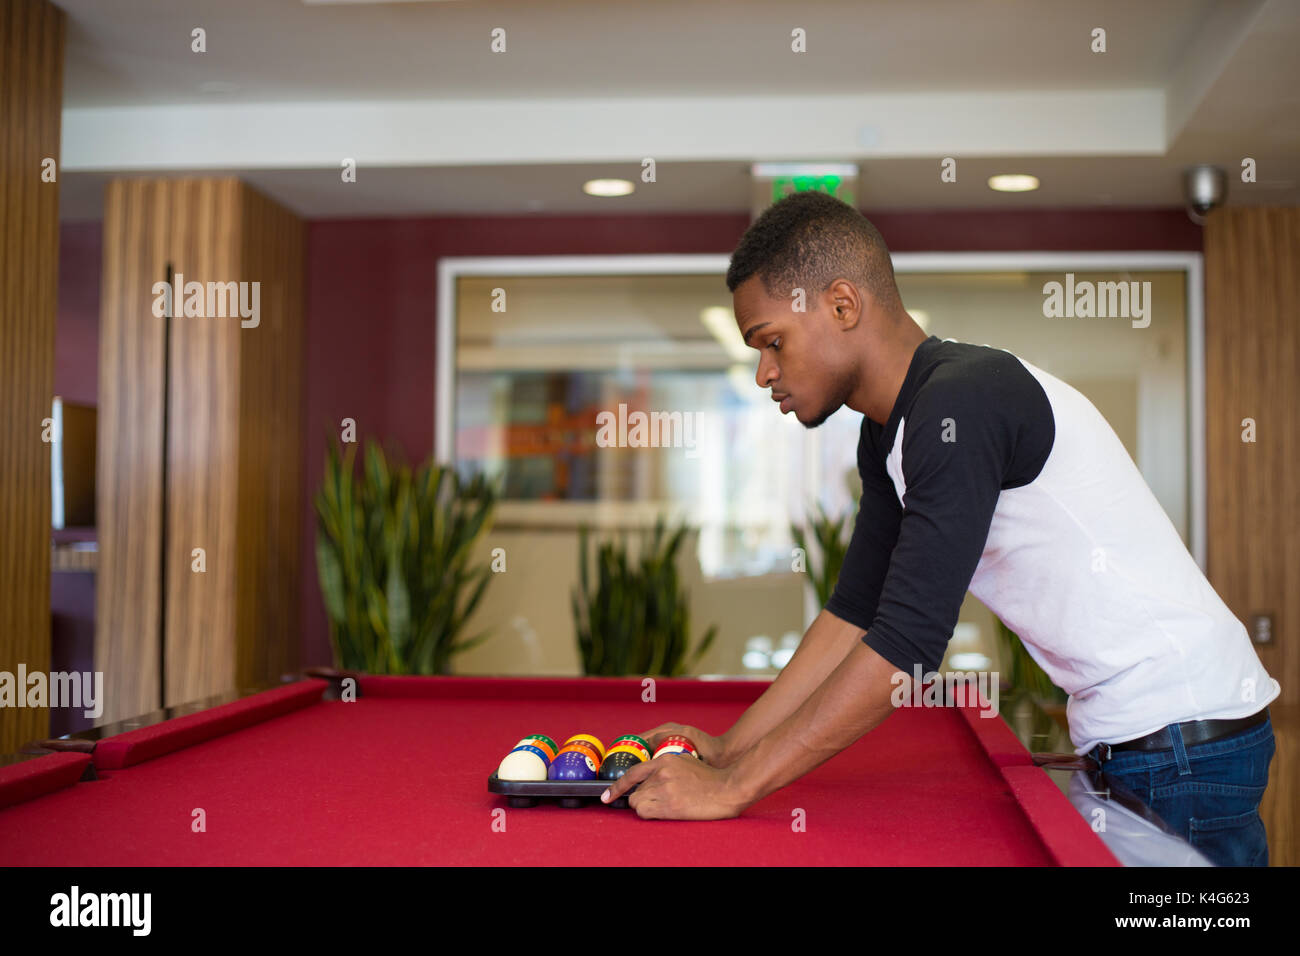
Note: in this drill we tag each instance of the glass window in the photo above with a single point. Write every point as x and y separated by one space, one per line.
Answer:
552 372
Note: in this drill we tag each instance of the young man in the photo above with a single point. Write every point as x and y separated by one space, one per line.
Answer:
980 472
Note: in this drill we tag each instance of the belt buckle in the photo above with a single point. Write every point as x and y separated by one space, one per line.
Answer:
1105 752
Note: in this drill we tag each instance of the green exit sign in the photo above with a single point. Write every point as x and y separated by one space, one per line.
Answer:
783 186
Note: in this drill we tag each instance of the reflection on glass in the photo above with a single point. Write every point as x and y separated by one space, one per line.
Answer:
541 361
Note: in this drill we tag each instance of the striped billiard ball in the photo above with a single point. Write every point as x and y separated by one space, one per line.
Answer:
592 741
542 743
676 744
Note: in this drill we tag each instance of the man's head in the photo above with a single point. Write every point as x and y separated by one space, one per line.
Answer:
817 245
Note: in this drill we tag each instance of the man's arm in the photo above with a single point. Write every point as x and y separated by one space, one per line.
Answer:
856 698
848 613
952 492
960 445
836 629
822 649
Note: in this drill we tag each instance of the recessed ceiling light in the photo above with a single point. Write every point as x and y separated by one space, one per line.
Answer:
607 187
1013 183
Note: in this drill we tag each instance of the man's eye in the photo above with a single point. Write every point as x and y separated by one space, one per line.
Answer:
775 345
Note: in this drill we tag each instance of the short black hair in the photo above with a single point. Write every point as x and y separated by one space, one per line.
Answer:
809 239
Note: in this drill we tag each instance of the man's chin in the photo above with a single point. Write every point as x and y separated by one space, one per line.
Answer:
813 423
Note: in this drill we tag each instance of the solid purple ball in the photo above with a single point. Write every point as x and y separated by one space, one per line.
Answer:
571 765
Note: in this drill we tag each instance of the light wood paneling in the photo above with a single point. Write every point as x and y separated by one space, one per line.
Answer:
1252 357
1278 808
129 450
270 416
232 426
31 103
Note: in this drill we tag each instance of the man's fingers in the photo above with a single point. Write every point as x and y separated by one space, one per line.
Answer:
654 737
663 730
629 780
642 804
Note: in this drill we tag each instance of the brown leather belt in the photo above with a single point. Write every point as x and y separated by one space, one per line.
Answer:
1193 732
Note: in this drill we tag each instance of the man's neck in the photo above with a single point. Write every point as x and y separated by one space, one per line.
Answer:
884 373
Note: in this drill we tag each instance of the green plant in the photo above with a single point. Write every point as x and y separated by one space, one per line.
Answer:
832 543
1024 674
393 551
635 620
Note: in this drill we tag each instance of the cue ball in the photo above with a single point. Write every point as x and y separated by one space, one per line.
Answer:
523 763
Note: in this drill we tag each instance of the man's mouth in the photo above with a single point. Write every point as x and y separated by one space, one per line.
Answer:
784 399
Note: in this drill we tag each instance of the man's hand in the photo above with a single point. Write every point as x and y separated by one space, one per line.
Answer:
712 750
678 787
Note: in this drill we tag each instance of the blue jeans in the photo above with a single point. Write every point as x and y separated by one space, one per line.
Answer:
1208 793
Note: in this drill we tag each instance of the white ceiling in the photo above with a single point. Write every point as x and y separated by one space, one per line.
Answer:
441 125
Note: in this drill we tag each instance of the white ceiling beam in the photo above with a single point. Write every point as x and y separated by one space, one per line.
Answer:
489 132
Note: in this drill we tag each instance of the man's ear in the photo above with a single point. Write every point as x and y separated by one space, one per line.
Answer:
847 304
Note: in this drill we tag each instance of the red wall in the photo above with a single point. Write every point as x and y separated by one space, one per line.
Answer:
371 295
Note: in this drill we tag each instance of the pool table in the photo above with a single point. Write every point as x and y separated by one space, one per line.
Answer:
295 776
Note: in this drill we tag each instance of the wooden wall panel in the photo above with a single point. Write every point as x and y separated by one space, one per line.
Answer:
31 103
129 449
1252 355
203 488
1278 808
270 415
232 425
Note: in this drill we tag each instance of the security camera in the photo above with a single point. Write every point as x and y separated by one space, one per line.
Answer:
1205 187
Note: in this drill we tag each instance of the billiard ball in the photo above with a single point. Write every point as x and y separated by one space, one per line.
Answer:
618 763
676 744
541 742
589 739
582 747
630 748
523 763
572 765
629 743
633 739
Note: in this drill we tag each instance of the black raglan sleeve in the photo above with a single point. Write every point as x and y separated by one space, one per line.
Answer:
857 590
959 450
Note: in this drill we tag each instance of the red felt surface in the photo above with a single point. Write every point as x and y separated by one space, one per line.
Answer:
137 746
402 780
1064 833
33 778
